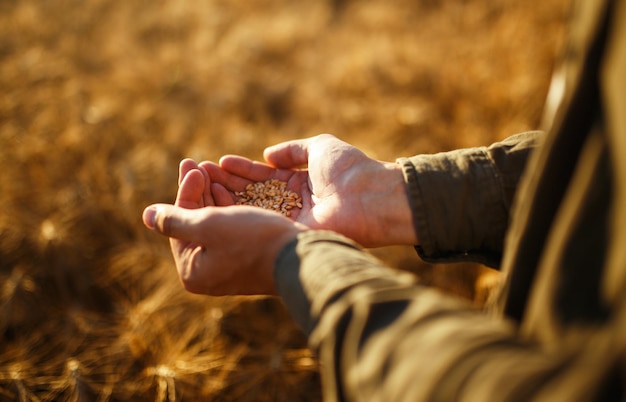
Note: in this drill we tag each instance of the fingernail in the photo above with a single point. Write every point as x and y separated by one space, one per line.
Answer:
149 217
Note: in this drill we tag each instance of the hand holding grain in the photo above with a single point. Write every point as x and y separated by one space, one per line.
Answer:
219 251
341 188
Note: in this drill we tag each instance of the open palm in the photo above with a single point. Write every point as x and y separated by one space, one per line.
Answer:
342 189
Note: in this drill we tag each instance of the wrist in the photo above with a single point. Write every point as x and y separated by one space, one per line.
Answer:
399 216
388 208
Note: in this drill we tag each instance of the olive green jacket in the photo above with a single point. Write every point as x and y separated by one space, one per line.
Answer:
556 330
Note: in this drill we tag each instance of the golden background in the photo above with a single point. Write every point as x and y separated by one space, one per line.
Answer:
99 101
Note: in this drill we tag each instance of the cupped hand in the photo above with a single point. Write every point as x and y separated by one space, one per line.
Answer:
219 251
342 189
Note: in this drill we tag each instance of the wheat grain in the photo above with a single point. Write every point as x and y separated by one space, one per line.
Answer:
270 194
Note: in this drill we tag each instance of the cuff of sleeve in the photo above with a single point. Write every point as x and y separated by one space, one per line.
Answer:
454 198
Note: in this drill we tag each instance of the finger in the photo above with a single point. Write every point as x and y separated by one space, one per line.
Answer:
172 221
288 155
184 167
221 195
230 181
207 196
191 190
246 168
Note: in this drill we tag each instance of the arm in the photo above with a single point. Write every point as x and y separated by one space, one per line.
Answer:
454 205
383 337
379 334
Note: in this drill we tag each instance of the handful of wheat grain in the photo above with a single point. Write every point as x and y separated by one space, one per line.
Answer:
270 194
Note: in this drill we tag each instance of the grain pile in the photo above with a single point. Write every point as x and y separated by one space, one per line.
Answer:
270 194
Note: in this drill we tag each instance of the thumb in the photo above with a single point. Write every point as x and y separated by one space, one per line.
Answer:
287 155
169 220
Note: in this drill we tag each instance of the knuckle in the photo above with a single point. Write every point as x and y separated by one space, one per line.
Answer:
165 224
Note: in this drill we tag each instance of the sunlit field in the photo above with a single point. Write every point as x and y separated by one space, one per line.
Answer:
100 100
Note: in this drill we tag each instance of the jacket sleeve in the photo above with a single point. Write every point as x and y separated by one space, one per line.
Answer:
461 199
383 337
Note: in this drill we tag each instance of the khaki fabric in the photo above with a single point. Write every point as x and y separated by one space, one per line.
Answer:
461 200
549 210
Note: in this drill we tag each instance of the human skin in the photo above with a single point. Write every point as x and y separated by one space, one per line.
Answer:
342 188
219 251
225 249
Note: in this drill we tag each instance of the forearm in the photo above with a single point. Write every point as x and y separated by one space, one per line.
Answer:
383 337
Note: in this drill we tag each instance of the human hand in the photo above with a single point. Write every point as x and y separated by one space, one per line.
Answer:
342 188
219 251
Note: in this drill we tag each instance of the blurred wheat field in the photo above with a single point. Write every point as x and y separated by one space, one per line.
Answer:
99 101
